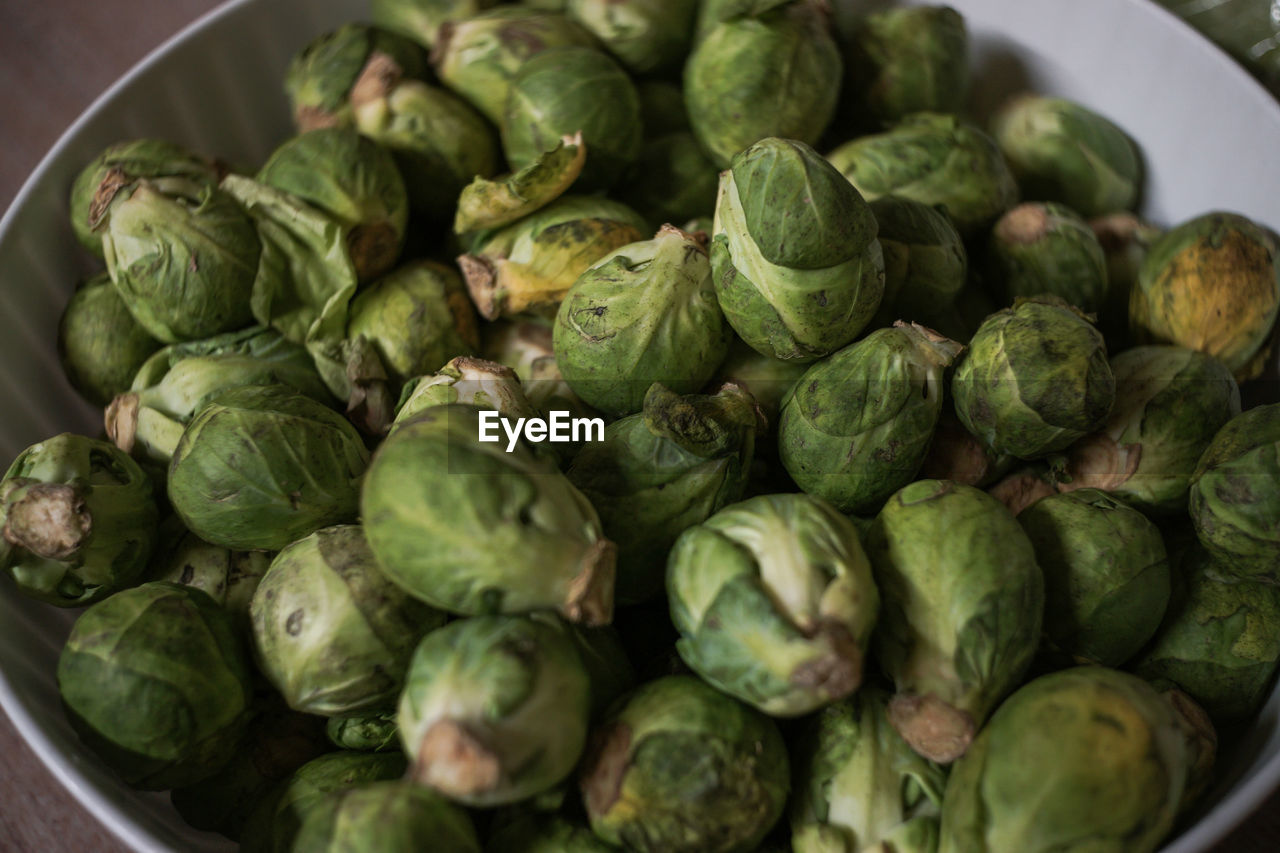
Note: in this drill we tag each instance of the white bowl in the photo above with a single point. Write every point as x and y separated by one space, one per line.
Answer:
1207 130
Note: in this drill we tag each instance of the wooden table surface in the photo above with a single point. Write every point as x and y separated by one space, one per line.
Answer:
56 56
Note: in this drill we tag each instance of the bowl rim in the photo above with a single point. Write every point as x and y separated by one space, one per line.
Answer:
1210 827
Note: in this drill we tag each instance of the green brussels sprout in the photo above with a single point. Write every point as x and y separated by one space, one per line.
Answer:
77 520
1170 402
274 824
1106 575
532 263
662 110
183 256
1085 759
859 786
335 69
1125 241
1043 247
647 36
774 602
155 681
768 380
473 381
528 348
261 466
903 61
679 766
659 472
100 345
1061 151
1211 284
795 260
371 731
228 577
935 159
855 428
174 384
956 454
540 833
1034 379
1233 502
644 313
333 634
671 180
438 140
925 263
963 604
495 708
507 531
97 184
417 319
478 56
569 90
773 75
420 20
493 203
279 741
386 817
354 180
713 12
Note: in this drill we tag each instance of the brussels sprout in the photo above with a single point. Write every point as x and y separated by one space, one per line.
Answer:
904 61
647 36
963 603
333 634
155 681
774 602
671 180
569 90
768 380
478 56
859 786
228 577
473 381
420 20
934 159
507 531
681 767
1034 379
279 741
1042 247
657 473
176 383
97 184
371 731
644 313
1170 402
439 141
100 345
477 703
1081 760
332 70
925 262
1125 241
712 12
417 318
274 825
183 256
537 833
261 466
956 454
386 817
77 520
532 263
855 428
1106 575
1061 151
527 347
773 75
1234 504
494 203
795 260
354 180
1211 284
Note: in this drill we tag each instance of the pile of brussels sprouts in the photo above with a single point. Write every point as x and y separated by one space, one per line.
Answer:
924 519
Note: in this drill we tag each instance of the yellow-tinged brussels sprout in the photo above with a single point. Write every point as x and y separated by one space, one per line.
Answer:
100 345
1087 759
501 201
774 602
387 817
963 603
421 20
645 313
494 708
155 681
77 520
1211 284
1042 247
